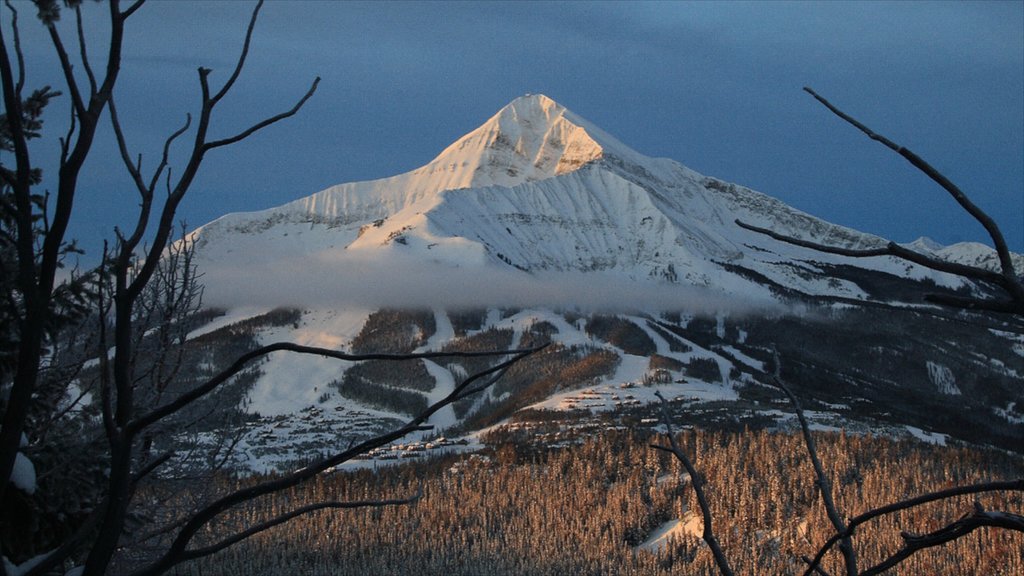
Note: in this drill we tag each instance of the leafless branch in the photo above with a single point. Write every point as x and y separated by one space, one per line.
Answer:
241 58
211 384
697 481
817 569
83 52
267 122
1000 486
68 69
1007 278
19 85
978 518
1016 289
199 149
890 249
131 9
822 480
284 518
150 467
178 550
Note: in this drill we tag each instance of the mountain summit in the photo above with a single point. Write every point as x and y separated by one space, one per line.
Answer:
532 138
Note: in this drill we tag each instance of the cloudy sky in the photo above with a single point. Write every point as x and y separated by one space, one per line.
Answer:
714 85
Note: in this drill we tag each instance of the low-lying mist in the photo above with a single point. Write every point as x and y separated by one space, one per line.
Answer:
401 281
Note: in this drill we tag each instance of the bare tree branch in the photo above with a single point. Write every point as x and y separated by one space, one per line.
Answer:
1007 278
1015 286
19 85
150 467
68 70
240 363
1000 486
145 190
890 249
978 518
83 52
199 149
283 518
817 569
263 124
178 549
822 480
697 481
241 58
131 9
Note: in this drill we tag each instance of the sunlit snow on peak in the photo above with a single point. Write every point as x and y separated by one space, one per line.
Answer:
532 138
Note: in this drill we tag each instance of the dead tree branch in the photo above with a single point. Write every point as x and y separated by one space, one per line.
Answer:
1000 486
977 518
1016 289
821 479
289 516
1007 278
241 362
697 481
179 552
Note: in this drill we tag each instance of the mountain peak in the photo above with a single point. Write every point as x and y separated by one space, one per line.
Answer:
532 138
533 101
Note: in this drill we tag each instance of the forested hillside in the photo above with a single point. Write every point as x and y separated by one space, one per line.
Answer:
586 509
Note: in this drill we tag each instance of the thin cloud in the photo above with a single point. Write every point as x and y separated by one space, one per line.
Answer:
357 281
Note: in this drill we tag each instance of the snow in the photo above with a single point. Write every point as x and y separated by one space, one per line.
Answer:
611 395
942 378
445 417
1010 413
968 253
290 381
753 363
24 474
536 209
689 525
929 437
10 569
230 317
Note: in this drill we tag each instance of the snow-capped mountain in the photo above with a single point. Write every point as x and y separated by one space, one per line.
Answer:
538 189
633 264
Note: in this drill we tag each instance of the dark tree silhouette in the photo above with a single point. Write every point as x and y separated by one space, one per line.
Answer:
33 248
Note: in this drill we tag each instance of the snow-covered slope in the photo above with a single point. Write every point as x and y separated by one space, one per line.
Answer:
537 189
539 201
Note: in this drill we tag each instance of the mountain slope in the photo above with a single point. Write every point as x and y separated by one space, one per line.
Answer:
538 189
539 225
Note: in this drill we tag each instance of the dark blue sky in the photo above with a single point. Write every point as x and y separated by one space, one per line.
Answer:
713 85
